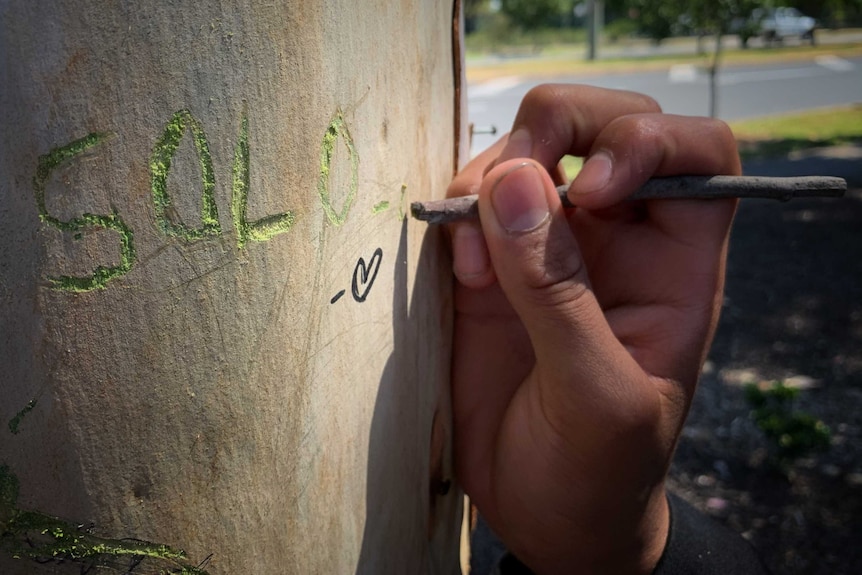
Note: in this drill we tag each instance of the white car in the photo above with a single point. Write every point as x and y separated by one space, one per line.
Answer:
780 23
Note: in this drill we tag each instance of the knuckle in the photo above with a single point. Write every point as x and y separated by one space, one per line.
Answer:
558 278
544 96
722 136
556 111
641 141
553 104
565 302
720 129
708 141
635 129
723 148
647 128
644 103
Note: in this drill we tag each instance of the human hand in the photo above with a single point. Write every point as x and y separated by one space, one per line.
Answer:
580 334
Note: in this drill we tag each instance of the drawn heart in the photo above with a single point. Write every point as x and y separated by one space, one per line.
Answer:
364 275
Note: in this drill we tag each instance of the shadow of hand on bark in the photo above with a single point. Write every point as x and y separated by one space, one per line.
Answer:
413 512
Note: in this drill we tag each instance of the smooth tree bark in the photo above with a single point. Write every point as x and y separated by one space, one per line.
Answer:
224 347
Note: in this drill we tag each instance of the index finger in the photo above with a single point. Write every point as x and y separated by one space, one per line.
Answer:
558 119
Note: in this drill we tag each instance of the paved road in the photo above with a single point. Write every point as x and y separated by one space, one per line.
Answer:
683 89
682 46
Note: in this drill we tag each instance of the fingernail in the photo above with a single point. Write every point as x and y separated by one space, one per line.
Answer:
520 145
595 174
519 199
469 253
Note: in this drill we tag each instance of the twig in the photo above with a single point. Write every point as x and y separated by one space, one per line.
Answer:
681 187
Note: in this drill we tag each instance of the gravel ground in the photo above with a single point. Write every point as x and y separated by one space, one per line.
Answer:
792 312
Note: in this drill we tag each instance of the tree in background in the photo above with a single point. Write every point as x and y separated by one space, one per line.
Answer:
533 14
842 13
655 18
835 13
522 22
660 19
715 17
473 11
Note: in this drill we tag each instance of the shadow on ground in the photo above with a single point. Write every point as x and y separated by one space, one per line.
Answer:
833 157
806 158
792 311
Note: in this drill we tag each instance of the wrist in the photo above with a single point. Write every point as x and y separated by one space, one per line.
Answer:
639 551
612 545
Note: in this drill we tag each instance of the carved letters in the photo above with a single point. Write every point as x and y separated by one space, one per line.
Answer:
164 150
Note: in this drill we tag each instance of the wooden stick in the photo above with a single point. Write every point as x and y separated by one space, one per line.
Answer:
681 187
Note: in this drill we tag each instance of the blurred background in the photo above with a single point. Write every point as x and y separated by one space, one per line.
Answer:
732 59
545 22
772 447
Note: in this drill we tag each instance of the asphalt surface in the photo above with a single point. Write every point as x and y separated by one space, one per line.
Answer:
743 91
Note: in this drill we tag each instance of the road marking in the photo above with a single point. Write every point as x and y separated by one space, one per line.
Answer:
682 74
834 63
493 87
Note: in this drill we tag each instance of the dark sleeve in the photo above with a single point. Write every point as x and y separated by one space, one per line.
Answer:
696 545
699 545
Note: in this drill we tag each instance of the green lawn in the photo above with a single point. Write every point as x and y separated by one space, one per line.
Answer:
557 60
780 135
777 136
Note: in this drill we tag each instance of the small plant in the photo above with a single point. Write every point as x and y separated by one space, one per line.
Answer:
793 433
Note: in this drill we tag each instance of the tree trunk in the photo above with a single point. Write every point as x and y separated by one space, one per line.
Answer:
713 77
219 331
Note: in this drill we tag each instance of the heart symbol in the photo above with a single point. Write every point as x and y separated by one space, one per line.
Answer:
364 275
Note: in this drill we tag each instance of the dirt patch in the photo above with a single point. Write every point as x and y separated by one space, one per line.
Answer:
792 311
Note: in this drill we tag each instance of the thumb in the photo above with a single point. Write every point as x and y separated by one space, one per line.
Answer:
539 266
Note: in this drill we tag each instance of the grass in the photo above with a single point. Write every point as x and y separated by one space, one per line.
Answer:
515 42
780 135
791 432
568 59
571 166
